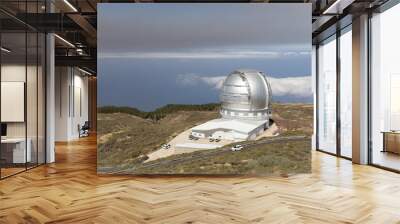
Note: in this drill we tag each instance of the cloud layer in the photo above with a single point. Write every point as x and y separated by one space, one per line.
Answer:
222 54
288 86
172 27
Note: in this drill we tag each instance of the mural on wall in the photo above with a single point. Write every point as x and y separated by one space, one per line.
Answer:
204 89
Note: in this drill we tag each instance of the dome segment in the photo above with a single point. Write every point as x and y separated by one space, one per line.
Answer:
246 94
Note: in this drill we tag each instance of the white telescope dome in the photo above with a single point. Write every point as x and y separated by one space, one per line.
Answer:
246 94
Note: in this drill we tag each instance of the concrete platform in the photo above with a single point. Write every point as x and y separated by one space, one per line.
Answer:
197 146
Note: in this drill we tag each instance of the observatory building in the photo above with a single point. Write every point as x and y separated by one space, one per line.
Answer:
245 108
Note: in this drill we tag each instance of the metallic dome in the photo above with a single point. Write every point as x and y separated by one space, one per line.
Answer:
246 94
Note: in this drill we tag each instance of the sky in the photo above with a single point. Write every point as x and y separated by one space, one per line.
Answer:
150 55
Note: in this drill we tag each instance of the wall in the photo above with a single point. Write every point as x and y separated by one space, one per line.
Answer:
62 82
17 73
33 126
71 102
14 73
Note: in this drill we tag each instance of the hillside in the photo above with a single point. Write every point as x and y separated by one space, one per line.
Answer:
161 112
124 140
122 137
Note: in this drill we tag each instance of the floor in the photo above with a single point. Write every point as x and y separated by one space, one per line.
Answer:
69 191
10 171
386 159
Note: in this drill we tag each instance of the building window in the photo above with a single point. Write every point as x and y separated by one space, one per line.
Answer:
22 78
327 95
346 92
385 89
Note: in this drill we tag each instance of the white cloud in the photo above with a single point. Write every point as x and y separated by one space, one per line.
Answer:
201 54
193 79
291 86
288 86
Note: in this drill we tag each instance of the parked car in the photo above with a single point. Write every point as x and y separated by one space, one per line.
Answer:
191 137
237 148
211 139
217 140
166 146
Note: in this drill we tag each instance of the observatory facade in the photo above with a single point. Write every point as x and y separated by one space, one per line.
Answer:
245 108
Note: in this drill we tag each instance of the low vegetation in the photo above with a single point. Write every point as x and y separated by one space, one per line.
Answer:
127 135
294 118
123 137
161 112
273 158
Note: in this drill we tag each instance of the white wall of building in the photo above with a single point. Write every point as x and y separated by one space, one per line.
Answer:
228 135
71 102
